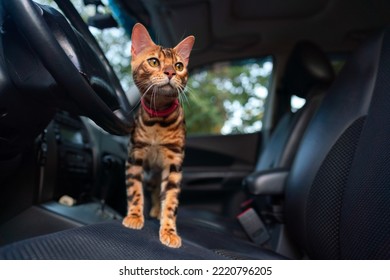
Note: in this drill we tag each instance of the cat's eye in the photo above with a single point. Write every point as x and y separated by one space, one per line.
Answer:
154 62
179 66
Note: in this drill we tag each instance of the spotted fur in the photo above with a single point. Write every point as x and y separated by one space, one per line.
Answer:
156 148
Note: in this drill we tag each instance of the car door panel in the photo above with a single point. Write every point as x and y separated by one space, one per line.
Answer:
214 167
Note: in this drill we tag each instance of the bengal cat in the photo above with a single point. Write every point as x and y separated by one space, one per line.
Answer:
156 148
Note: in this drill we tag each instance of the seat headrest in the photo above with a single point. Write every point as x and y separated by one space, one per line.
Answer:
307 67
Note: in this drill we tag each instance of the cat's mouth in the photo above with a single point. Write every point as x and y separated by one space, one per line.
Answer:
168 90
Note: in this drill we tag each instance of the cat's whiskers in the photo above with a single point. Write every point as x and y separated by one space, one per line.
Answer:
179 96
154 97
141 85
182 93
139 101
146 91
142 96
151 86
182 96
191 91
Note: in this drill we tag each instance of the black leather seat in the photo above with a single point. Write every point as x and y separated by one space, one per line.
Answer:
308 75
337 195
338 198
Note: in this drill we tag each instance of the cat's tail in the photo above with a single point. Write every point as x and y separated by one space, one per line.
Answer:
153 167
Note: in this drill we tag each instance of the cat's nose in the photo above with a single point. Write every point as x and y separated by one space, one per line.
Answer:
170 72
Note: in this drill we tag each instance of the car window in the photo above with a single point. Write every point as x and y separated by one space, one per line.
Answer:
228 97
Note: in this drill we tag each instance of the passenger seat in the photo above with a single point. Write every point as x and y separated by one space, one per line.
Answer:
308 75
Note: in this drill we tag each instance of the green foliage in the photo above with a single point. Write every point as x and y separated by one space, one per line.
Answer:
227 98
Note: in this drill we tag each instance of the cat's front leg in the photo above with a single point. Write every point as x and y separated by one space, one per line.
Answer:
170 190
135 196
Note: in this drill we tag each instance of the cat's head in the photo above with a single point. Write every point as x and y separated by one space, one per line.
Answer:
159 73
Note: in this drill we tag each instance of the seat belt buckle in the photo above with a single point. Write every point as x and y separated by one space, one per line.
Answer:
253 226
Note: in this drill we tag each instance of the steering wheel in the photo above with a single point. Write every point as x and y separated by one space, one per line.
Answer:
28 17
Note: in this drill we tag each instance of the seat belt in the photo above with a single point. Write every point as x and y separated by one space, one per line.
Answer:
253 226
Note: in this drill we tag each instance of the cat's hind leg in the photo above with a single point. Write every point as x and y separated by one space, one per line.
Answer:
156 205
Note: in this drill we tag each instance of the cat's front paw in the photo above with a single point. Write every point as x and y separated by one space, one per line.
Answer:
134 222
170 239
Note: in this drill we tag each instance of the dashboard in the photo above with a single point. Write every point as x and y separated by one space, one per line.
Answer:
74 156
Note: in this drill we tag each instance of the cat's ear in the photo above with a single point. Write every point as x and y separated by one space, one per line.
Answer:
140 39
184 48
